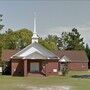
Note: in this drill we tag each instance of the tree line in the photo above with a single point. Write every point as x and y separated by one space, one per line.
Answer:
21 38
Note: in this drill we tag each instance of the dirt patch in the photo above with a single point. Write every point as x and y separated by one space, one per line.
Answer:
25 87
49 88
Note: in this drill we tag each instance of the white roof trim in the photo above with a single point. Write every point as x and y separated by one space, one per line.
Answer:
20 51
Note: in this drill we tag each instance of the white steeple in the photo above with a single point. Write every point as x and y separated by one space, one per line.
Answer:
35 36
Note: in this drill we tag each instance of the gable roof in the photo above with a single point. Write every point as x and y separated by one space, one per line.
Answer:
64 59
32 48
73 55
7 53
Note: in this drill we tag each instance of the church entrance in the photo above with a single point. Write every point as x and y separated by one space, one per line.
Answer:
34 67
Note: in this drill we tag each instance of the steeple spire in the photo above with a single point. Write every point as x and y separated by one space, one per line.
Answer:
35 36
34 22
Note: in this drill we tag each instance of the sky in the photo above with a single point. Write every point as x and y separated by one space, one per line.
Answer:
53 16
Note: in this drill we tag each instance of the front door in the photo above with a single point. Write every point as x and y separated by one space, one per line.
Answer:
34 67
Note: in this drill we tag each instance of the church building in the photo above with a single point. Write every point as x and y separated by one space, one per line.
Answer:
36 59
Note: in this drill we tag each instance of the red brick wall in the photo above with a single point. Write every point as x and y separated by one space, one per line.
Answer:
17 67
78 66
50 66
46 67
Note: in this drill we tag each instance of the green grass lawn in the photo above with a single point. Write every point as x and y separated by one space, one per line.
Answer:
20 83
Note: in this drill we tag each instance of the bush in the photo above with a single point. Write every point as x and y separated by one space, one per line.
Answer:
64 69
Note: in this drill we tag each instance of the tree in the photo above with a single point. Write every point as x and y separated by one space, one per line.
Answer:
72 40
24 37
59 44
52 38
0 53
63 41
87 49
1 26
9 31
16 39
50 42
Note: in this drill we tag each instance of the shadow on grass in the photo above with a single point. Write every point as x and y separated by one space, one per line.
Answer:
81 76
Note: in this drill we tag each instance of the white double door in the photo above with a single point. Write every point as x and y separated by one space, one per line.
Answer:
34 67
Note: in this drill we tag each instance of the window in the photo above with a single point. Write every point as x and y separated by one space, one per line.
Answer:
34 67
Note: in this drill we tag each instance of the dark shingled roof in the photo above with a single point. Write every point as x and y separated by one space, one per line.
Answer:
6 54
74 56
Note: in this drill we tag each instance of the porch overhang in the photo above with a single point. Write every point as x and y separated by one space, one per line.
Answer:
65 59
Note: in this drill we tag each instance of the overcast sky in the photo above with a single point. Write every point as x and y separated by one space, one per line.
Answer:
53 17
